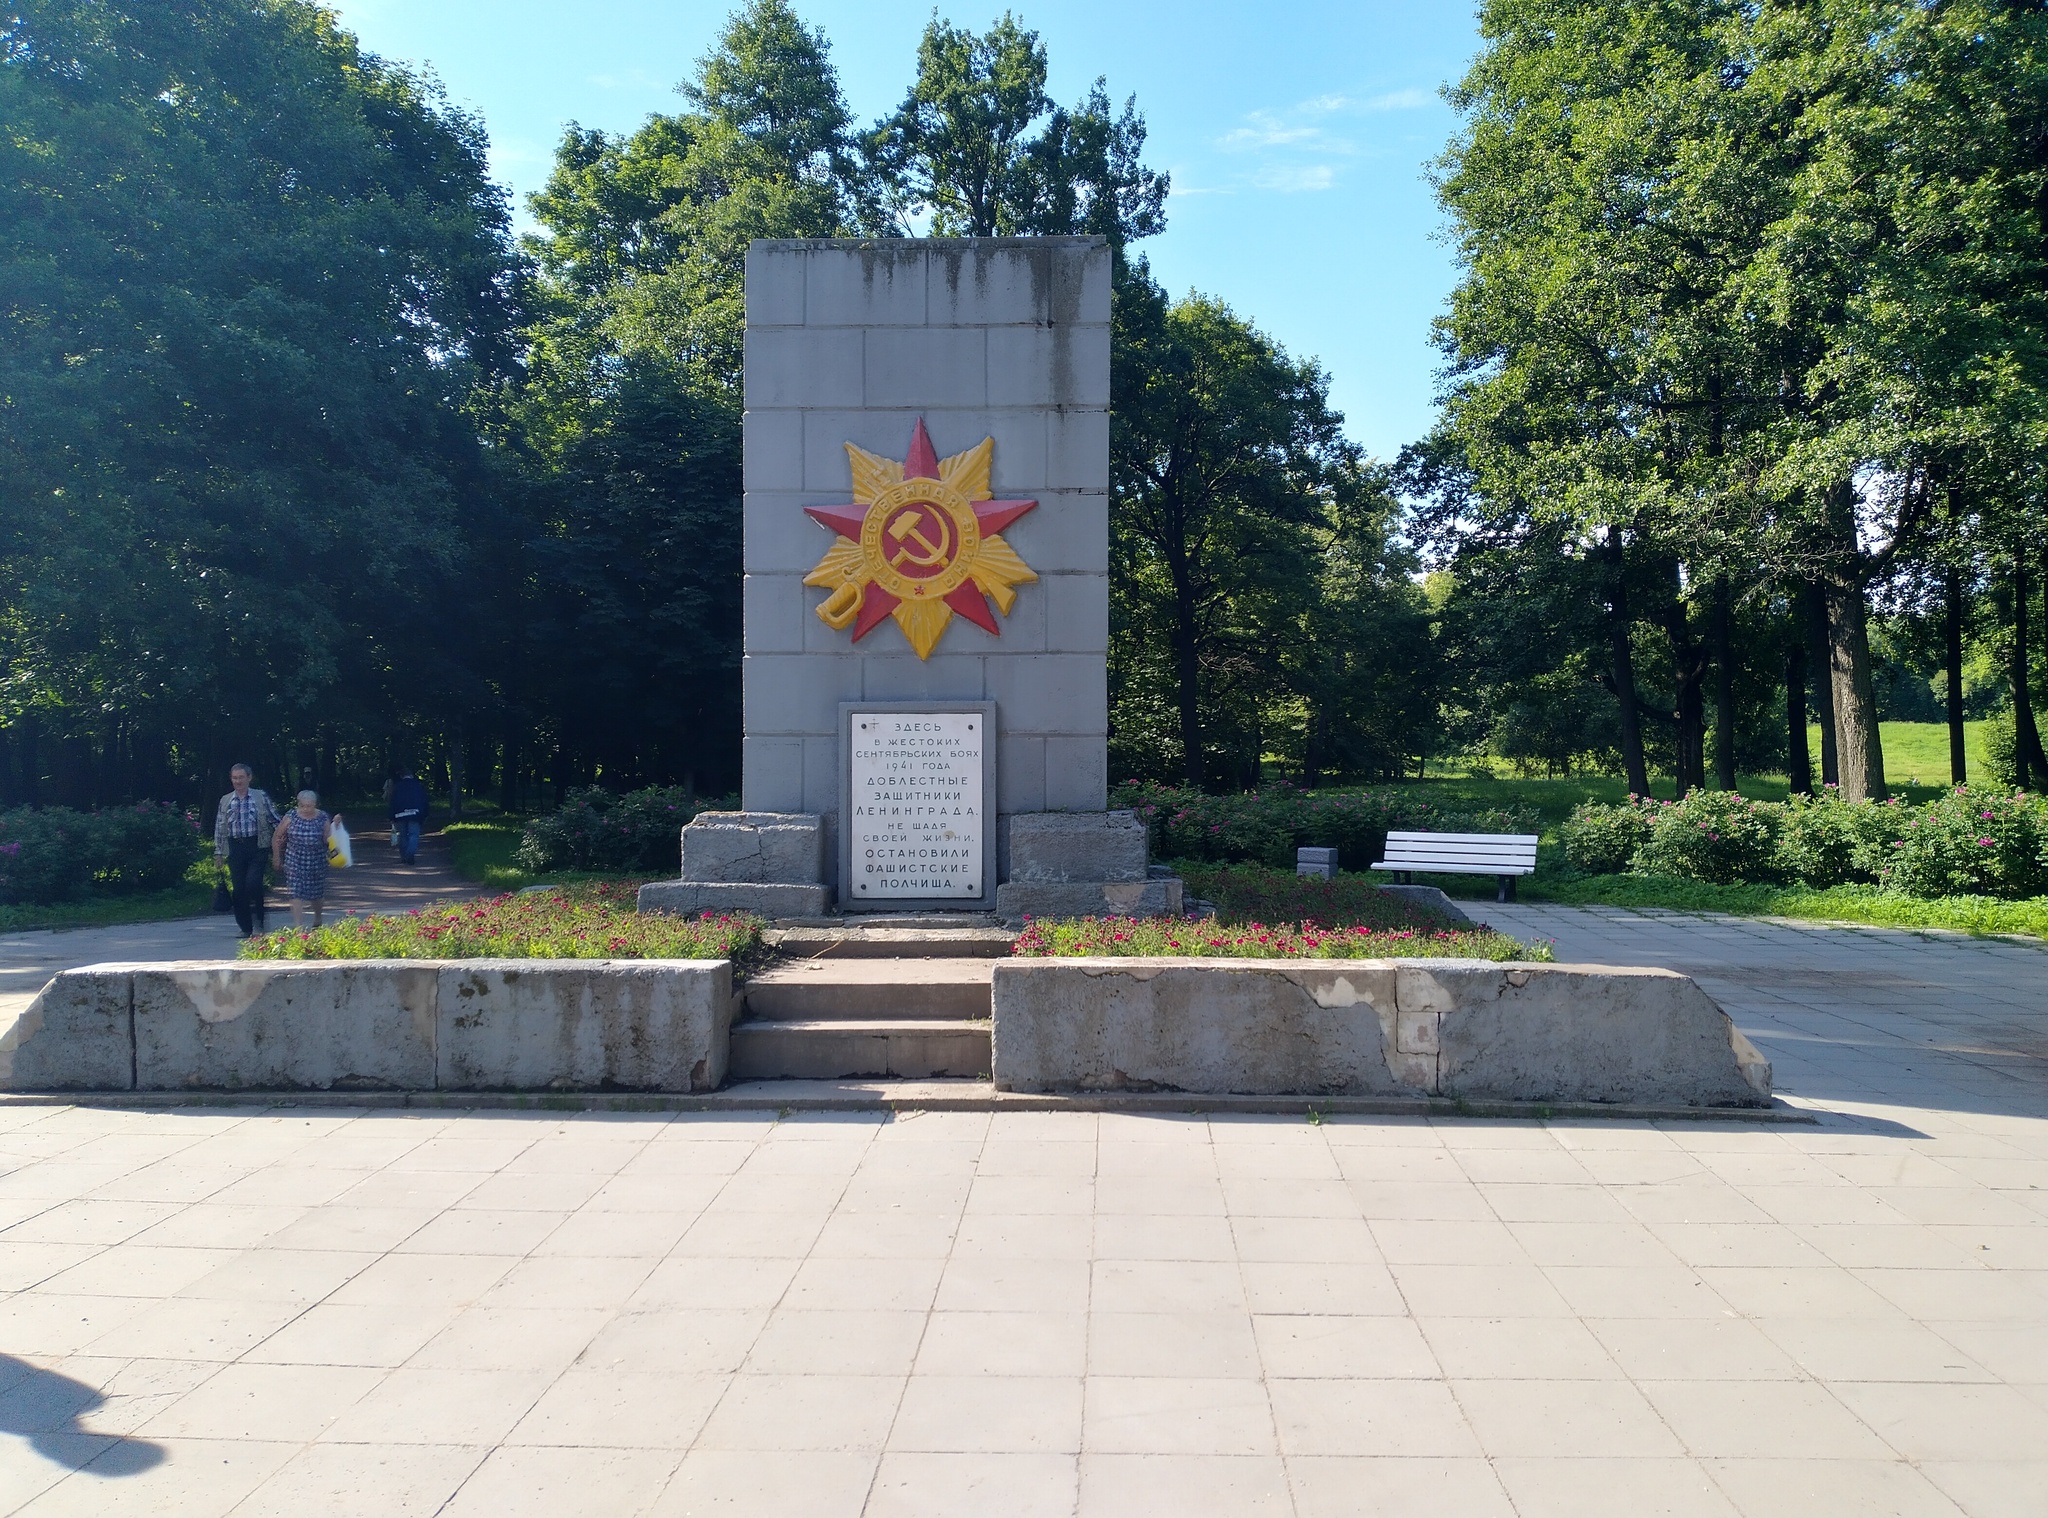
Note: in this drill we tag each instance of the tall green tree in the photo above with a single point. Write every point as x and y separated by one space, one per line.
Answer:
630 414
253 277
1743 283
962 148
1252 566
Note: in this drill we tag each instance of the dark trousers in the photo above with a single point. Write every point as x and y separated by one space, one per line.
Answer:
246 860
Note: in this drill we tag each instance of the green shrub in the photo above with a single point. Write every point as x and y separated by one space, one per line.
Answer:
52 853
1974 841
2001 750
144 847
1603 839
597 830
46 854
1825 841
1717 836
1266 827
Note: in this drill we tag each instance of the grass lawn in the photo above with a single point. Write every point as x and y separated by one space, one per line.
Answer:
1915 764
488 853
188 899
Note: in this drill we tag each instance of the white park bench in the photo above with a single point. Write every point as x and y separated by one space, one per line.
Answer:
1505 855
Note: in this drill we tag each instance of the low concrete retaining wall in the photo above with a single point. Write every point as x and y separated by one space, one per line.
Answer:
1455 1028
376 1024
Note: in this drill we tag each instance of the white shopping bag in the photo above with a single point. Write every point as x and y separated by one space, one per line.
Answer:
339 854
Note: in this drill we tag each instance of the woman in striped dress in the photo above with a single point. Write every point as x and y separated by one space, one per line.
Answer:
299 849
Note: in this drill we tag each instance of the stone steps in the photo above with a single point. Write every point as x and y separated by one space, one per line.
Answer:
846 1048
892 941
840 1019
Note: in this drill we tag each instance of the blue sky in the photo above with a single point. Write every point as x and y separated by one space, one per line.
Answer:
1297 136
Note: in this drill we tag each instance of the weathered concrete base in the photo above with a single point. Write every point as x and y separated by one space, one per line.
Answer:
763 848
895 1095
687 898
1463 1029
1019 899
404 1025
1077 846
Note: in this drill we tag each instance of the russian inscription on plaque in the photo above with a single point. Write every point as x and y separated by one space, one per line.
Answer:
915 804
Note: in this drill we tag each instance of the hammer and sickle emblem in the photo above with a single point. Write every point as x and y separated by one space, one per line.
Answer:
910 524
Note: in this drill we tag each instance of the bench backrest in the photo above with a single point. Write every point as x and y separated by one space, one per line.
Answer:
1418 851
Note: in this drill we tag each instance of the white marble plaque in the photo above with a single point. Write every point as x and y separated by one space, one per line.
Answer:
915 802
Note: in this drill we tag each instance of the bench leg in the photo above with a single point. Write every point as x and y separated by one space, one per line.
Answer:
1407 877
1506 892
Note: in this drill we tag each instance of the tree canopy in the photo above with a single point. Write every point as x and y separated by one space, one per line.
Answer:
306 458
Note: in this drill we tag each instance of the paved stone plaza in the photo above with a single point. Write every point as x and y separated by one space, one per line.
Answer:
315 1311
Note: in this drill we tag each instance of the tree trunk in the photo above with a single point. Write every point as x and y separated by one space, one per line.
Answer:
1858 748
455 756
508 775
1187 670
2026 736
1689 707
1623 677
1724 691
1958 761
1691 713
1817 661
1798 752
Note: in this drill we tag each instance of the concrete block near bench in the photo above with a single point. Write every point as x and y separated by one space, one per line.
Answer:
1451 1028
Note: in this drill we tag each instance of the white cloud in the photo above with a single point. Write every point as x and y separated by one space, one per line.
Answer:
1400 100
1292 179
1267 131
1301 148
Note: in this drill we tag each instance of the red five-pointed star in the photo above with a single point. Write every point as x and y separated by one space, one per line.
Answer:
992 516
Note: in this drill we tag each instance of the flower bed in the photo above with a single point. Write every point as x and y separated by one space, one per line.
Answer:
1096 937
595 921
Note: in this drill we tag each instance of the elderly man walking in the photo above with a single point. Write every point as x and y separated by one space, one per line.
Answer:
242 829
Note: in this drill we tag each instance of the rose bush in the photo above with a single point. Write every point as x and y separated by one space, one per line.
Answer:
52 853
1720 837
1602 838
1973 842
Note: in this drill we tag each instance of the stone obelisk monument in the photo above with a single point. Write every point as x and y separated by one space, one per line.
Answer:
927 592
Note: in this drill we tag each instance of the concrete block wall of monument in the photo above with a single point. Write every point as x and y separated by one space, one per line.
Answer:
791 449
857 342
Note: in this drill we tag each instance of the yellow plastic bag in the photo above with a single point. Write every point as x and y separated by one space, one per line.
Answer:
340 855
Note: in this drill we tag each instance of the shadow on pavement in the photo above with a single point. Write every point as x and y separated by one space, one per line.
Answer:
45 1408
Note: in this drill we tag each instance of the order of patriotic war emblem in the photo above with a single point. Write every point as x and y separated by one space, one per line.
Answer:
920 542
916 805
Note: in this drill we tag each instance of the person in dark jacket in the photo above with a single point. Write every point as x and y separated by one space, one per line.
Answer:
242 825
408 814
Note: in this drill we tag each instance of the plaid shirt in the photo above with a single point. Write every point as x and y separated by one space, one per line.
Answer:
250 816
